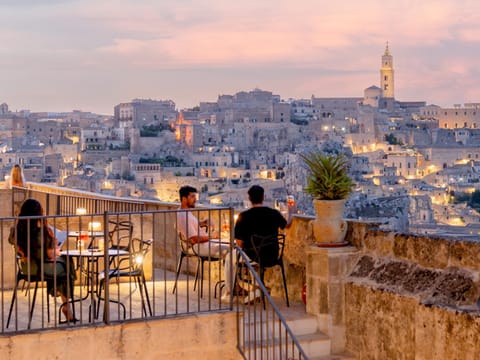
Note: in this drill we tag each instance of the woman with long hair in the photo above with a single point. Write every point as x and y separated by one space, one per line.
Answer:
37 246
16 177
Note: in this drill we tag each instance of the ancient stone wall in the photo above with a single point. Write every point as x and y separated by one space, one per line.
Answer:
412 297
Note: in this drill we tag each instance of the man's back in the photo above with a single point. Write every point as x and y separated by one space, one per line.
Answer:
261 221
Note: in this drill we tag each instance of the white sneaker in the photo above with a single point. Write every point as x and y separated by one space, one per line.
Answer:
252 296
226 298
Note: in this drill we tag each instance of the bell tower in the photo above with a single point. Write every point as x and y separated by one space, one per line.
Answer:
386 75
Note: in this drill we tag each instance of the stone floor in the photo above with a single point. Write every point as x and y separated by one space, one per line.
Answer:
163 303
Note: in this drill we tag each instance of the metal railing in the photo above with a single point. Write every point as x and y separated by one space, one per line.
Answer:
109 285
263 333
62 203
104 292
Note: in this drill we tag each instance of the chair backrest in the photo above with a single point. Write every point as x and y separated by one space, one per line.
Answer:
120 235
136 258
140 249
185 245
268 249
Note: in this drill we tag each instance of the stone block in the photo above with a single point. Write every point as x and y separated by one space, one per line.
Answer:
336 303
464 254
323 302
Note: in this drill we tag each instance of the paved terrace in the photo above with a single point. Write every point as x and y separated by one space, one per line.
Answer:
164 303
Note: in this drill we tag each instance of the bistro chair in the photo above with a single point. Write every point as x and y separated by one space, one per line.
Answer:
187 250
120 234
130 266
269 253
27 279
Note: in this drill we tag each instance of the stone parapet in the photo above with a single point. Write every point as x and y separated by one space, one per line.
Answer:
208 336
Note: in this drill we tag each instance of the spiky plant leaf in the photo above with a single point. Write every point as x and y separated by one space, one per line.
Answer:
328 178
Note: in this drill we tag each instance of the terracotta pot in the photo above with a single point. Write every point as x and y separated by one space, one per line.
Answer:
329 228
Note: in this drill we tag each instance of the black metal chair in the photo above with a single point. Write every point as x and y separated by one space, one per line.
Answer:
26 278
120 234
130 267
187 250
269 253
34 278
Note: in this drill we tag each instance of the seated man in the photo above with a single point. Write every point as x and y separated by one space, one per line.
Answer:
262 221
193 230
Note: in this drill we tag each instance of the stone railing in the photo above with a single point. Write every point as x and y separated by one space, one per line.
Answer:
397 296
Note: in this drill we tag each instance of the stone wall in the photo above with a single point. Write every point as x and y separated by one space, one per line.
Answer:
411 297
207 336
386 325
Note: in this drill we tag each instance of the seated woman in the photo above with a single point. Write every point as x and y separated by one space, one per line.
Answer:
30 235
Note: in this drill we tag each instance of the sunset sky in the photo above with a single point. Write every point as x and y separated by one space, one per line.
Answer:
60 55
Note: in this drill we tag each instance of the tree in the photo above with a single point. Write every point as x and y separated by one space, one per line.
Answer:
392 140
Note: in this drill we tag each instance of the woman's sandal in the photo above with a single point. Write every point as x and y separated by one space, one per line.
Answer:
72 321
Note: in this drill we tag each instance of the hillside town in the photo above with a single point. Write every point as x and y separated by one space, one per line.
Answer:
411 161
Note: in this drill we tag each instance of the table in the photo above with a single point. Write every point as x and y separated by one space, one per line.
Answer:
92 235
92 257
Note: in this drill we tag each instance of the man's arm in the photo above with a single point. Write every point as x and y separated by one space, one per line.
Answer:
196 239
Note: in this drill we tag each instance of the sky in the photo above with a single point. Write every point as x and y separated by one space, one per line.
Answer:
63 55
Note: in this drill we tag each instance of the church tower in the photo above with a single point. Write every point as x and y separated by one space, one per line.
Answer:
386 75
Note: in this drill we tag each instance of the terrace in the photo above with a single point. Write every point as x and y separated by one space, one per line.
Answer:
385 296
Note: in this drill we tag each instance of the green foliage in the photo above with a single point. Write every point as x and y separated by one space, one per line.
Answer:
328 178
392 140
168 161
153 130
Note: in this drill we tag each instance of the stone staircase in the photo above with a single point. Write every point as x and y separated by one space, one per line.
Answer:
315 343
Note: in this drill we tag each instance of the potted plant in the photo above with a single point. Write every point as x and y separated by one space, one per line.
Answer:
329 185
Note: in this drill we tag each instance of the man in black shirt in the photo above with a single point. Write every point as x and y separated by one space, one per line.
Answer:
261 221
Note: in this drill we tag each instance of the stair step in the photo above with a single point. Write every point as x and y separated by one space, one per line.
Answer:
317 344
304 325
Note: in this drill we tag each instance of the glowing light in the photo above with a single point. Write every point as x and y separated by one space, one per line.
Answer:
94 226
81 211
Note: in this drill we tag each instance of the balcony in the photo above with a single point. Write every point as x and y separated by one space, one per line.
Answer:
385 296
154 221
